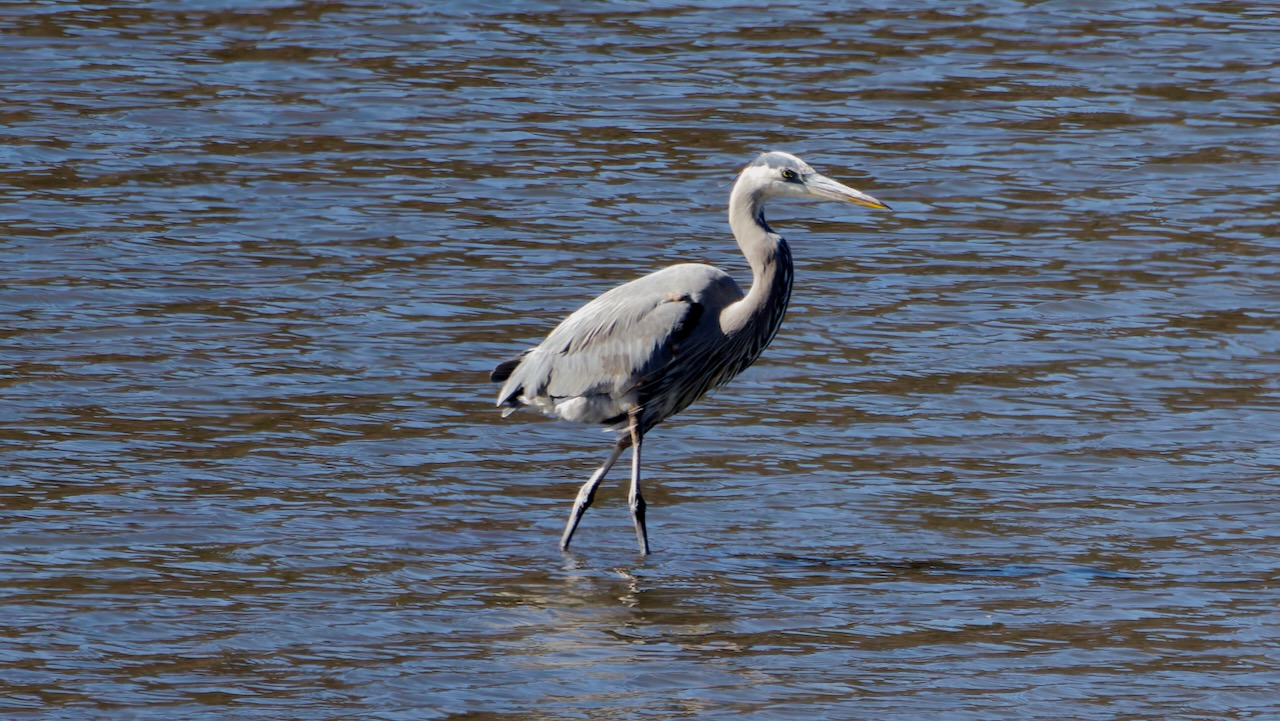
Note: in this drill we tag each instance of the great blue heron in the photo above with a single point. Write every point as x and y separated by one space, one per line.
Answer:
644 351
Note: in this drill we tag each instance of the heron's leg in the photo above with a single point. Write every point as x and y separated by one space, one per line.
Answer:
588 492
635 500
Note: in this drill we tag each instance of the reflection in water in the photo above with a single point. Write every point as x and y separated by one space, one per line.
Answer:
1013 451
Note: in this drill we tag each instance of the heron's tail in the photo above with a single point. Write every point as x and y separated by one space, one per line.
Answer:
505 369
508 397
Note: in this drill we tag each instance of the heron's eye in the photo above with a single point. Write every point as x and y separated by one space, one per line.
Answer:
789 175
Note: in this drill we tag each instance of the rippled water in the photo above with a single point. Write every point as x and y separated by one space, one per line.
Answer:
1013 454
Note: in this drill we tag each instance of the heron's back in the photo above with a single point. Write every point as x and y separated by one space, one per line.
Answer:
653 342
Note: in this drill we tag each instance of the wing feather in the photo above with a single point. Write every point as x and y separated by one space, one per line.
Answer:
616 350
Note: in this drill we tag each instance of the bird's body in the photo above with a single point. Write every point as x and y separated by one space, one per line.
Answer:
591 367
645 350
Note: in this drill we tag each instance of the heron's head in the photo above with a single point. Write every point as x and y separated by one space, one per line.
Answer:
782 175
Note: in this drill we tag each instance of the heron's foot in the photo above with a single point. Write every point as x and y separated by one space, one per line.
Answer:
637 515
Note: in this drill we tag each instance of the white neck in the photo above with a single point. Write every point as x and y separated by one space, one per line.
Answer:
770 261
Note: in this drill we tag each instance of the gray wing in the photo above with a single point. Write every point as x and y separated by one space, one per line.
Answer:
623 348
